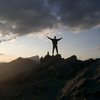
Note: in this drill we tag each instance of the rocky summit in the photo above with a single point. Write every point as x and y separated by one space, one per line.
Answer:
54 78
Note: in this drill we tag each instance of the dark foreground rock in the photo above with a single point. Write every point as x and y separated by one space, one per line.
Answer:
55 79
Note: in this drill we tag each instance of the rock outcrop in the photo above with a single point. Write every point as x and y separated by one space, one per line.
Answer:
55 78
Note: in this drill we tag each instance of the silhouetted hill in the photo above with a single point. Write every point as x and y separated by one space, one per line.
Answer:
35 58
55 78
16 67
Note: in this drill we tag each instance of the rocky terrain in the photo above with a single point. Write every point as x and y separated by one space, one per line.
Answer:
54 78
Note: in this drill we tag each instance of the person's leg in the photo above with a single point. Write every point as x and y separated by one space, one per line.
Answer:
57 49
53 51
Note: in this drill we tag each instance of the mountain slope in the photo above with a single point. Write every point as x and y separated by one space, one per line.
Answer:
16 67
55 79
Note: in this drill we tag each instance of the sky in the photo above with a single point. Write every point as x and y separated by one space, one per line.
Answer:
25 25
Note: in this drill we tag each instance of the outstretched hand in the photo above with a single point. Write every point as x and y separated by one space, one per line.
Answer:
59 39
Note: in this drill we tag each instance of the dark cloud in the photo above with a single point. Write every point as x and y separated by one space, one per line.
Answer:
78 13
27 16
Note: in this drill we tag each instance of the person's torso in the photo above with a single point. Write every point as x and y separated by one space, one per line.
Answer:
54 41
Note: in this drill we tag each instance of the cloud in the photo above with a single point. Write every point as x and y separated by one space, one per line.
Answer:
8 37
78 13
4 40
1 54
23 17
97 48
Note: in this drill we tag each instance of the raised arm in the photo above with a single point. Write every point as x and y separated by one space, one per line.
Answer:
49 38
59 39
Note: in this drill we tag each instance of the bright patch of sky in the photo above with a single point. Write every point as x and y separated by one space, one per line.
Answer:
84 44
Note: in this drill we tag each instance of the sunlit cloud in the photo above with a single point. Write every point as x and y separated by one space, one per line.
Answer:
8 37
1 54
44 33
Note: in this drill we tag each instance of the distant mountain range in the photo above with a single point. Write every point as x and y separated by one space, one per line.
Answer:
35 58
18 66
51 78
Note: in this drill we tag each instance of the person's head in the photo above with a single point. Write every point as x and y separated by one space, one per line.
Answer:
54 37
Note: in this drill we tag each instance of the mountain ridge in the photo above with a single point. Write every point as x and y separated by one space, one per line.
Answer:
16 67
55 78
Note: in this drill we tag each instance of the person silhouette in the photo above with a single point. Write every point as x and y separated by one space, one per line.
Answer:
54 43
